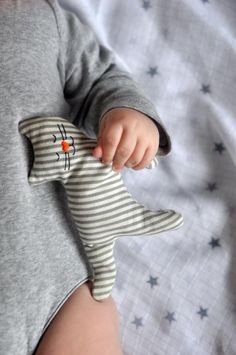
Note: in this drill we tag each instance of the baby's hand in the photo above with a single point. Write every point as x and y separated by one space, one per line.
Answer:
126 138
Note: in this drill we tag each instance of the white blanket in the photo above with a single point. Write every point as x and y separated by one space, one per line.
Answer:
176 294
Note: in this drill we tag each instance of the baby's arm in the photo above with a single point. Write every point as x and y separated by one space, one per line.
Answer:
127 138
105 101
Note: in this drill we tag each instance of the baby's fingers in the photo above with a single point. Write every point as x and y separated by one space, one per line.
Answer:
146 159
97 151
124 151
109 141
137 155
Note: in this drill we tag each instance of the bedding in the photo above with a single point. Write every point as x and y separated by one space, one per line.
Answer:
176 294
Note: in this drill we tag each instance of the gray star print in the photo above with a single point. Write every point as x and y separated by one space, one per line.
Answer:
152 281
138 322
214 243
153 71
206 89
170 317
219 147
146 5
211 186
203 312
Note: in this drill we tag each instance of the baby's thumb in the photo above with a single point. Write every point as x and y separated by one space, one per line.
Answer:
97 151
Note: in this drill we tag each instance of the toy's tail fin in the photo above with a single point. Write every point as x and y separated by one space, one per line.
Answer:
102 260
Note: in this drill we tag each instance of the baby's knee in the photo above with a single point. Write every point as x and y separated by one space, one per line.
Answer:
83 326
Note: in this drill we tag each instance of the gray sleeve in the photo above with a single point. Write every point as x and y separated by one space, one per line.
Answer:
93 83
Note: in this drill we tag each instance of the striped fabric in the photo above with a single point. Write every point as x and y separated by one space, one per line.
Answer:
102 207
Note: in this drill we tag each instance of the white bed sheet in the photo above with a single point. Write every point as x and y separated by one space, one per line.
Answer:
176 293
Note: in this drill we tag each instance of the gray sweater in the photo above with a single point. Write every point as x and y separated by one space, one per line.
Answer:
50 65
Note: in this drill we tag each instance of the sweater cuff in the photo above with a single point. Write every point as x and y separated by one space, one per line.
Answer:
164 139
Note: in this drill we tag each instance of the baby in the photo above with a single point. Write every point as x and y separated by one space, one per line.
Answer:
101 206
52 65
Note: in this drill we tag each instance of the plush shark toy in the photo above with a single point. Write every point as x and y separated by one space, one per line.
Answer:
100 204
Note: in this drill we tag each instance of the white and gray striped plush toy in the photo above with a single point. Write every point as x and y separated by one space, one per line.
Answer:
101 206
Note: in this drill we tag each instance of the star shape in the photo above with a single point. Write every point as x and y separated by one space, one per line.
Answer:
152 281
138 322
211 186
206 89
153 71
146 5
203 312
215 242
219 147
170 317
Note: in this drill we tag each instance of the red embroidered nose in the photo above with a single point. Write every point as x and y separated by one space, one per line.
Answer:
65 146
